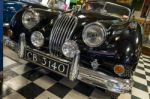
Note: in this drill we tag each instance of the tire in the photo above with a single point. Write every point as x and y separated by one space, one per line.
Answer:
113 95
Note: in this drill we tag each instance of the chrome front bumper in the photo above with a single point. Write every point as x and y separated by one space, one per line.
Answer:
96 78
102 80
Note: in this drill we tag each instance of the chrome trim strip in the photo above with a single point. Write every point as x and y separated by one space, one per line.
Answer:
74 26
70 29
60 33
100 79
53 33
63 36
67 29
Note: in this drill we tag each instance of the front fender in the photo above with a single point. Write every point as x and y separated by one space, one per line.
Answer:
17 26
127 54
129 47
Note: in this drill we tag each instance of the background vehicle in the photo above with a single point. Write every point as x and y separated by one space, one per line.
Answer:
99 45
10 9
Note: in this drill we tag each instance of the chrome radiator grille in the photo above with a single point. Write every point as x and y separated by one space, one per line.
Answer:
61 31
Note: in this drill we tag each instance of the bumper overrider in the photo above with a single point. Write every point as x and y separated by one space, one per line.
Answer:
96 78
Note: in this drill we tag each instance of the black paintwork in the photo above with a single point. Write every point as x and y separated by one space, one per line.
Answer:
120 46
45 18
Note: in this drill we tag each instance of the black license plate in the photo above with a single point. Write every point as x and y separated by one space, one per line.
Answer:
53 64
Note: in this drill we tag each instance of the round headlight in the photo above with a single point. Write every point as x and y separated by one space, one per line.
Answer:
94 34
30 18
70 48
37 39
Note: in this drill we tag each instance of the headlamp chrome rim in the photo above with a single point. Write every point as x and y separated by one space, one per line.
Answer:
36 18
35 40
102 27
70 53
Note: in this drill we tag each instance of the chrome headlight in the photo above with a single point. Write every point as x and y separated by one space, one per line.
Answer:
70 48
30 18
94 34
37 39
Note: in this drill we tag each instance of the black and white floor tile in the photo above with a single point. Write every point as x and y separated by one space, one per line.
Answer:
28 81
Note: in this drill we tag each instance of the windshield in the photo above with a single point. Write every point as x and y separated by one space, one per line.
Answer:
107 8
43 2
10 0
59 4
117 10
92 7
25 0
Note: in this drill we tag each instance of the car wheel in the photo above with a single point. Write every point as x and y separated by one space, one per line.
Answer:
112 94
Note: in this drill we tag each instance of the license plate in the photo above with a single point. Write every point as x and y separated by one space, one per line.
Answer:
53 64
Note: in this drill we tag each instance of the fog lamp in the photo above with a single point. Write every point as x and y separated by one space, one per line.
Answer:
70 48
37 39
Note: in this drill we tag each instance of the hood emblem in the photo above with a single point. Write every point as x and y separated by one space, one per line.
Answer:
95 64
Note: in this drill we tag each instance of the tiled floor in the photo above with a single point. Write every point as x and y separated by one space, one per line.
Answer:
28 81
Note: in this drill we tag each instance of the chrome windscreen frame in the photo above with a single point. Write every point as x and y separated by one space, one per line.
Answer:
129 15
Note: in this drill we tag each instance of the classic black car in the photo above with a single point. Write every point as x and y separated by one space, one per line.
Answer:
98 44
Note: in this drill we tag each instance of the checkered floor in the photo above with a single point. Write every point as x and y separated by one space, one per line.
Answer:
28 81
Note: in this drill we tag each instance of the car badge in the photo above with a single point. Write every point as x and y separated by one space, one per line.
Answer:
95 64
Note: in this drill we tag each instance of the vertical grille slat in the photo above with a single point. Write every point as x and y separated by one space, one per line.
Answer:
62 30
63 34
57 30
72 25
67 30
56 34
58 39
53 32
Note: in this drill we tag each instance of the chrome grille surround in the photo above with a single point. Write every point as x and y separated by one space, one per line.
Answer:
61 31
